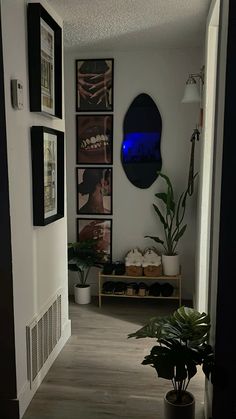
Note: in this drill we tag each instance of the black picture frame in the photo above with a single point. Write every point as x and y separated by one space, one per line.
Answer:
44 61
90 227
47 147
90 95
94 139
97 186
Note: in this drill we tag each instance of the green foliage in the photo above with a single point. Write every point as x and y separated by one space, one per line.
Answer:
82 256
182 346
171 215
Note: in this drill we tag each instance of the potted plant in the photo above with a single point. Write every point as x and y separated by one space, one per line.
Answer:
181 346
82 256
171 215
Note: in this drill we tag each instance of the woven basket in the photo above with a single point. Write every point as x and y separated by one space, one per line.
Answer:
134 270
153 270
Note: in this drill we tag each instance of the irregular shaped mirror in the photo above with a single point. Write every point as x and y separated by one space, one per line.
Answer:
140 152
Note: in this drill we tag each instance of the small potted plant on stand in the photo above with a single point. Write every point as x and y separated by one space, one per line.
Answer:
181 346
82 256
171 215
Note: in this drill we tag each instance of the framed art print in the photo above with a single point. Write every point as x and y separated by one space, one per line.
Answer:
94 139
47 147
94 190
45 62
94 85
97 229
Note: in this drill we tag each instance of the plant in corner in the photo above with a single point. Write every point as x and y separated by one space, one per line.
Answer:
171 215
181 346
82 256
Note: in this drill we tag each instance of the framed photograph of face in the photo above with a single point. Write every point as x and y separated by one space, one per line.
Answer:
48 174
94 85
94 190
97 229
94 139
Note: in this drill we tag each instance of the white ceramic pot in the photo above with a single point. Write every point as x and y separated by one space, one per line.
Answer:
82 294
170 265
179 411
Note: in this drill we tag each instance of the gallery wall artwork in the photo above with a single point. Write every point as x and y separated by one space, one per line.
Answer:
94 190
97 229
94 139
94 85
48 174
45 61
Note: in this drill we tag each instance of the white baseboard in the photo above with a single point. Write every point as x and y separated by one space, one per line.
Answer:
26 394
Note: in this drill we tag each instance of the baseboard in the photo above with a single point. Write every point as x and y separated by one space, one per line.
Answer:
27 393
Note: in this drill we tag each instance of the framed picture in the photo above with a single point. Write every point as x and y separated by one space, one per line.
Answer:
94 85
94 190
47 147
45 61
99 229
94 139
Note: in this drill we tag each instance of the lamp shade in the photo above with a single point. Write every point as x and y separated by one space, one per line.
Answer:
191 93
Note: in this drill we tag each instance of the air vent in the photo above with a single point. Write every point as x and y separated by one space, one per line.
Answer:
42 337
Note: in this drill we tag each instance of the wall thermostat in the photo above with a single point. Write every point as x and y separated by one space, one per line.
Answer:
17 94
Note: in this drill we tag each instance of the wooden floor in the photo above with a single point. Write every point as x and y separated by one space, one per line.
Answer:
99 375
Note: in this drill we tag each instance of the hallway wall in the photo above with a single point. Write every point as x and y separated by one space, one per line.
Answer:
38 253
161 74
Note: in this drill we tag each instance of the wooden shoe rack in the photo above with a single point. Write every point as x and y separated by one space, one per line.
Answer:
176 281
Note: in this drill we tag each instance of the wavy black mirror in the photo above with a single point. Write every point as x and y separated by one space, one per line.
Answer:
140 152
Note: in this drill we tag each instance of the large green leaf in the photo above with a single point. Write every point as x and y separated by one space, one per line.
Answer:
160 216
153 329
156 239
166 198
180 233
168 183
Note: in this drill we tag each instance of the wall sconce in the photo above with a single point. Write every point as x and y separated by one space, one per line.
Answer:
192 92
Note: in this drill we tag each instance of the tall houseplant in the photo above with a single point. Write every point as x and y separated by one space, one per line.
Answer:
171 215
181 346
82 256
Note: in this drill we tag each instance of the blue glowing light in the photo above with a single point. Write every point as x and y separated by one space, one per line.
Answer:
141 147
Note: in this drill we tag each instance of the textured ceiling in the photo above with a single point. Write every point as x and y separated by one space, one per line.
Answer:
123 24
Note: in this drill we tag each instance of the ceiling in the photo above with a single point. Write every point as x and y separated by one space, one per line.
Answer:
124 24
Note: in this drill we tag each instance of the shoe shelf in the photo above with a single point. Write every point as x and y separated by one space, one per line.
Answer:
177 294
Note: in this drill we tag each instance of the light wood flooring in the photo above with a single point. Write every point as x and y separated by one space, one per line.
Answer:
99 375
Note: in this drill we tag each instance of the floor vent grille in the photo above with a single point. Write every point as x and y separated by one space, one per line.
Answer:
42 337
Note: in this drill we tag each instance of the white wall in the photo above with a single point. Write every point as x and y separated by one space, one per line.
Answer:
161 74
38 253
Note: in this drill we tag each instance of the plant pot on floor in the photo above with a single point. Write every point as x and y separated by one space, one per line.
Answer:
185 410
82 294
170 265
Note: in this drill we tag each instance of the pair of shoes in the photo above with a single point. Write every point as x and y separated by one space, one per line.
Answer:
143 289
107 268
116 268
120 288
108 287
166 289
119 268
132 288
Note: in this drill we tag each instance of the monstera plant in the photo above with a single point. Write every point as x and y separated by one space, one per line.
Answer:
182 345
82 256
